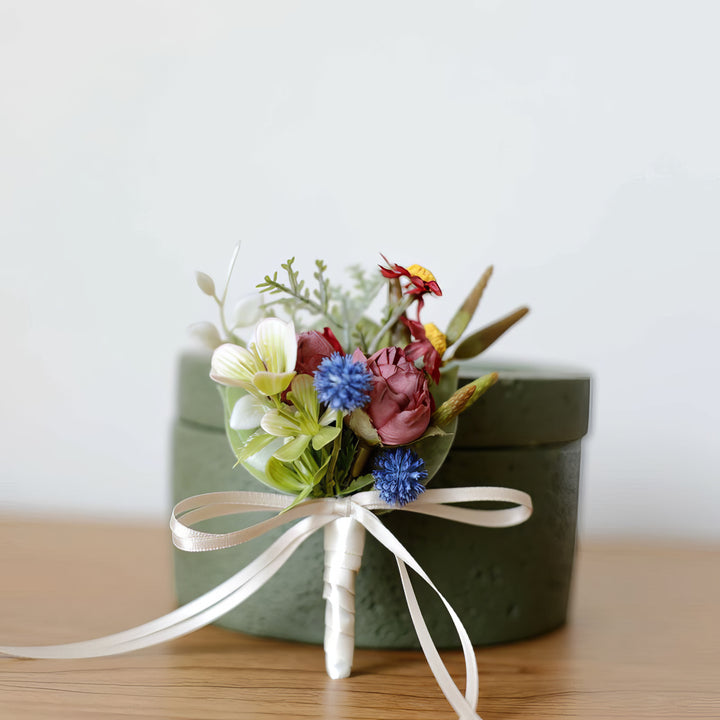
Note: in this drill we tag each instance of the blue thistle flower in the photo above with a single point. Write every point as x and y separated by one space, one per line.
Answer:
398 474
342 383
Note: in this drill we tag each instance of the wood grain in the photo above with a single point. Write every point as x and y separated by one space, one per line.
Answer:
643 642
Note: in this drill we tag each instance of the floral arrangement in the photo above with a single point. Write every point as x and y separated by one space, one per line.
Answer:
349 401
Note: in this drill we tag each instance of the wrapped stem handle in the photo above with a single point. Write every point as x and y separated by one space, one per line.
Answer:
344 540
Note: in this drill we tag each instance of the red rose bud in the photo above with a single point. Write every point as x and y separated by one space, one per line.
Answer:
400 401
313 347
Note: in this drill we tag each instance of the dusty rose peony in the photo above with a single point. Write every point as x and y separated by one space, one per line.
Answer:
400 402
313 346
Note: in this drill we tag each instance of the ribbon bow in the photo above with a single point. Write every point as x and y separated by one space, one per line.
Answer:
311 515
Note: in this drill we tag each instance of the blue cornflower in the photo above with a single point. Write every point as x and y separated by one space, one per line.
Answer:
342 383
398 474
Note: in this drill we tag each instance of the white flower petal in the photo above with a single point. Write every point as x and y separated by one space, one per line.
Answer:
303 396
233 365
247 413
277 423
276 344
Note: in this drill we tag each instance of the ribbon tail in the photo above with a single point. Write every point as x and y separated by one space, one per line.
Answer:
196 614
464 705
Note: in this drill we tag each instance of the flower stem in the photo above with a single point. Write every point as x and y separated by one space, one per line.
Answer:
363 454
399 310
230 336
337 444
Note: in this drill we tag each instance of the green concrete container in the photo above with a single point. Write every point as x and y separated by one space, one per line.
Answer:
505 584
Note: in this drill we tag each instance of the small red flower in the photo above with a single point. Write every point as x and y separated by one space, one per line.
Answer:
422 347
422 281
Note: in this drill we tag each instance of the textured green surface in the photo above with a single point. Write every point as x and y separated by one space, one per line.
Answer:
504 583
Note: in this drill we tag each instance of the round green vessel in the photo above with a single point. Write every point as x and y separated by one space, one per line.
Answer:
505 584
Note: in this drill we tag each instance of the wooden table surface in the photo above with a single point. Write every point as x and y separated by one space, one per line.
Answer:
643 641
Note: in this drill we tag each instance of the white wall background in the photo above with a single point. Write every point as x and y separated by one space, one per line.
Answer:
574 145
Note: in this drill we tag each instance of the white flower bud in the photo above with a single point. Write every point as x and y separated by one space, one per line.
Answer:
205 283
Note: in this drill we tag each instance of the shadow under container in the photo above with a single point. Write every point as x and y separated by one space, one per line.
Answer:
504 583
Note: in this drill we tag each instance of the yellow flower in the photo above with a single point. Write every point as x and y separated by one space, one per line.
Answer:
437 339
423 273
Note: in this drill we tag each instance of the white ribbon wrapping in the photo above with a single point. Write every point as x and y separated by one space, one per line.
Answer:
344 540
343 543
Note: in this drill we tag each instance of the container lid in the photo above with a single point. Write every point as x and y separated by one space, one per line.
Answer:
199 401
529 405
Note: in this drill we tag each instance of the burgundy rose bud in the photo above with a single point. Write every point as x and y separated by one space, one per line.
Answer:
313 347
400 401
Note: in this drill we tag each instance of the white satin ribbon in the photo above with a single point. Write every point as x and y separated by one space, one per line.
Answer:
311 516
344 541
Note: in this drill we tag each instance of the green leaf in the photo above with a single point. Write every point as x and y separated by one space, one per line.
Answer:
359 422
301 496
325 436
283 478
482 339
321 471
358 484
432 431
292 450
254 445
465 313
434 448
